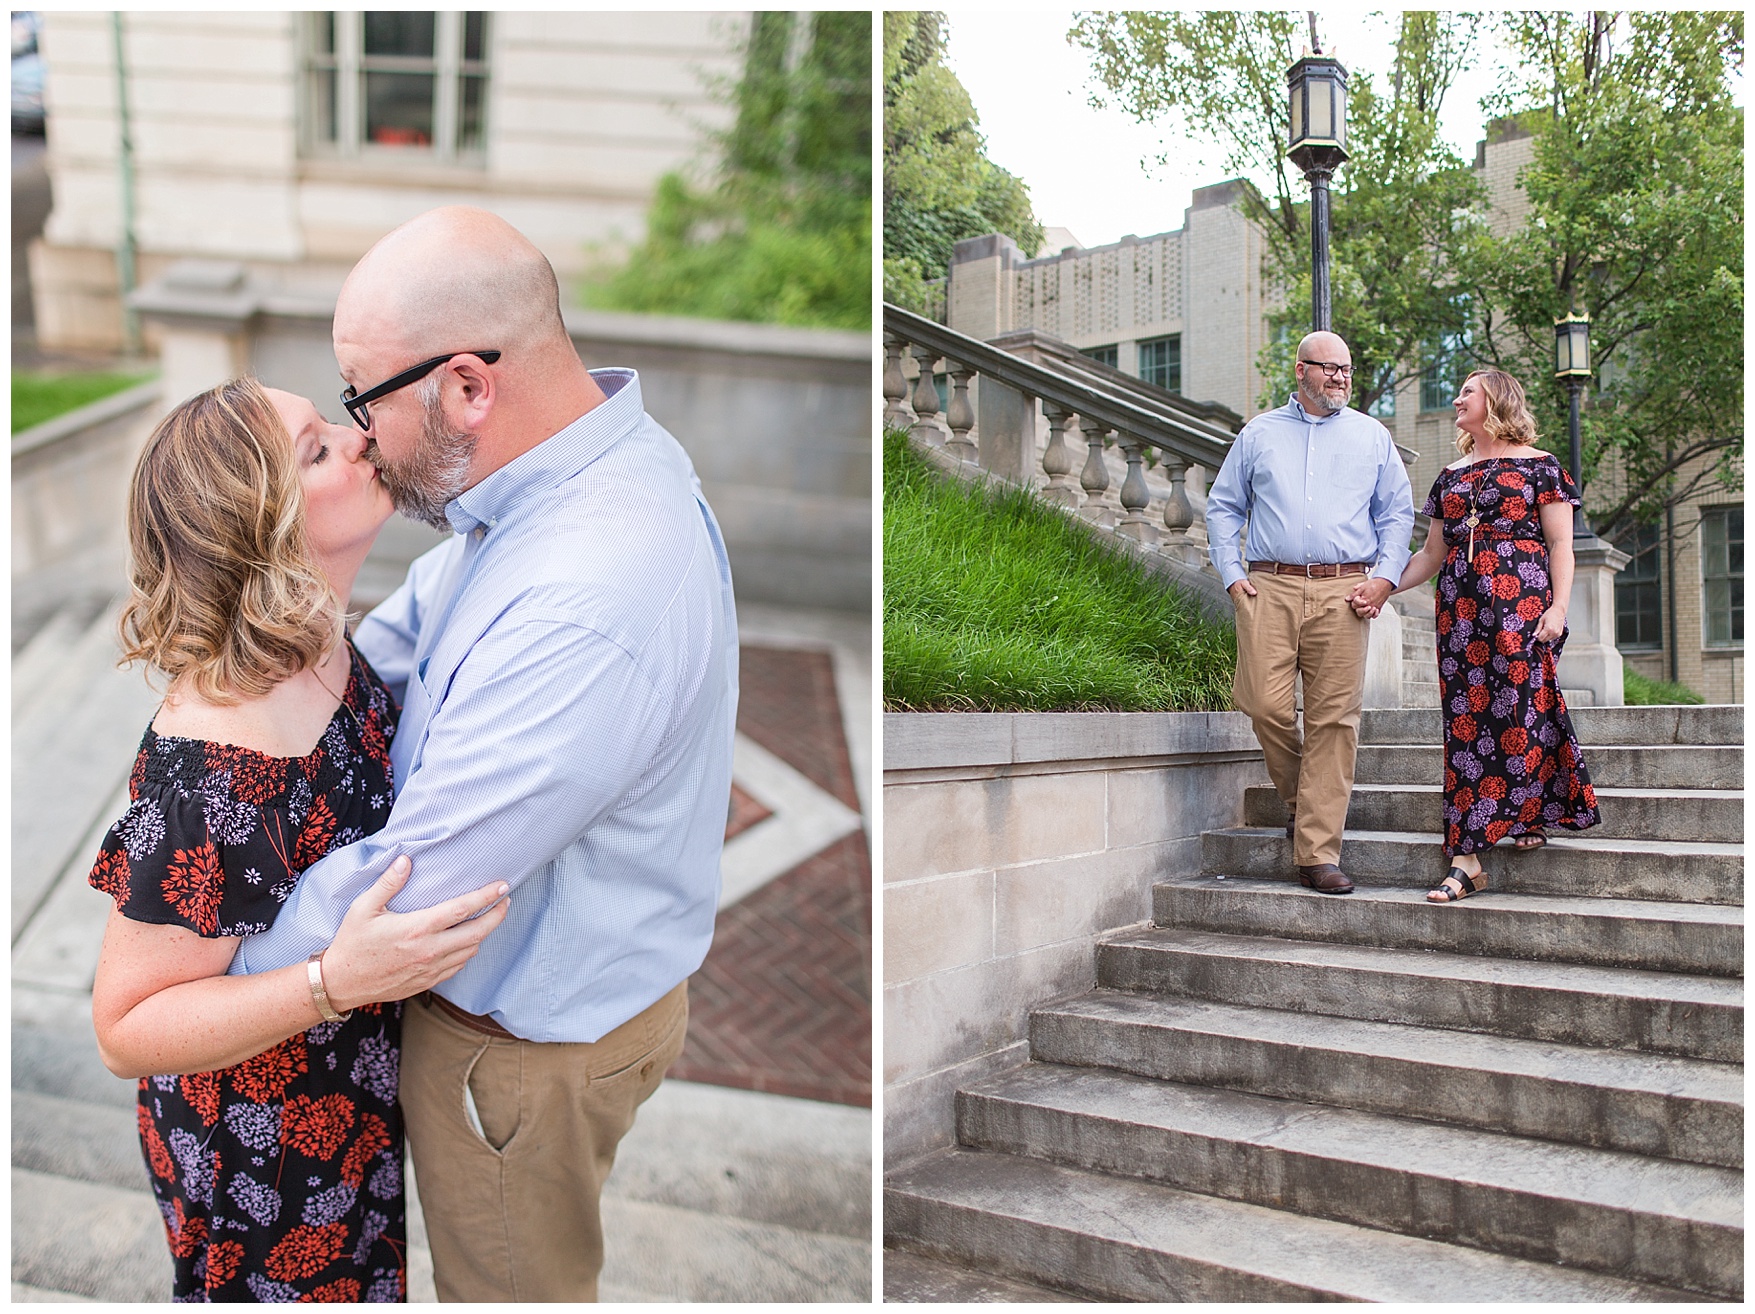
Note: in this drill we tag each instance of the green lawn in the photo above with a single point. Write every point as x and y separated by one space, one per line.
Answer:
1642 691
994 601
38 397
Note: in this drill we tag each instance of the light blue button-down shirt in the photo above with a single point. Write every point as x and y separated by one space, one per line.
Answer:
1316 489
567 666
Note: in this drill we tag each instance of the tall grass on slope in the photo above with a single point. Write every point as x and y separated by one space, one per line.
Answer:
994 601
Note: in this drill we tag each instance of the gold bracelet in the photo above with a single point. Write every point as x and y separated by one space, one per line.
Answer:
314 970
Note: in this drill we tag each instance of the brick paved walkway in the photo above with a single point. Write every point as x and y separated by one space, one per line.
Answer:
783 1002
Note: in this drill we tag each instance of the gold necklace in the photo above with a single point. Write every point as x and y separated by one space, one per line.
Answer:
339 697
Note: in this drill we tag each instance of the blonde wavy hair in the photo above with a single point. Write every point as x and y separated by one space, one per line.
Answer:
1508 412
225 596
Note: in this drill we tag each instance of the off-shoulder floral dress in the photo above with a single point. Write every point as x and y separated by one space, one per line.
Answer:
280 1179
1511 760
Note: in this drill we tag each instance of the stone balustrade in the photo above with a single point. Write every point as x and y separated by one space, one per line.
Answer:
988 421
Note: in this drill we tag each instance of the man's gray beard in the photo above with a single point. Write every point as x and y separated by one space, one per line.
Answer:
424 485
1321 403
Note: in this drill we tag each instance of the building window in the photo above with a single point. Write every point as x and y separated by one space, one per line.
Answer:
1161 362
1639 612
401 82
1721 573
1383 408
1105 355
1440 381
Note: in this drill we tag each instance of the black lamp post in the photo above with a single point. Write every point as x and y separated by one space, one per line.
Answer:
1317 85
1572 366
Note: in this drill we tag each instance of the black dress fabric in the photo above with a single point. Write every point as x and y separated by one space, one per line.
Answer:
1511 760
280 1179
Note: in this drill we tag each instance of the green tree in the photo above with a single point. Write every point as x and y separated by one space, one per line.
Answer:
783 233
939 185
1402 209
1635 195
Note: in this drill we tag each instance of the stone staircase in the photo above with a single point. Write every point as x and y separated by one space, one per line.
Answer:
1276 1095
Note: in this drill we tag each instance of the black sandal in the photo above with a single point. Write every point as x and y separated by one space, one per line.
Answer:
1465 886
1536 839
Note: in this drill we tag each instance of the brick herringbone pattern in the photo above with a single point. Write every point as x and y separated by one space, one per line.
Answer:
745 812
783 1002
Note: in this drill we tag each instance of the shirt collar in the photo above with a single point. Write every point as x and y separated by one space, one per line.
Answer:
1297 408
556 458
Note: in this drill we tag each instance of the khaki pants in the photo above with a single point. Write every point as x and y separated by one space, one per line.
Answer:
1304 626
512 1210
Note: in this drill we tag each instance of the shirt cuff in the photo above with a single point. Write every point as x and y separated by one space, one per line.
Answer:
1231 572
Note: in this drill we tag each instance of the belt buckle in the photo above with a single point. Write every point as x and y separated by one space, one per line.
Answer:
1308 567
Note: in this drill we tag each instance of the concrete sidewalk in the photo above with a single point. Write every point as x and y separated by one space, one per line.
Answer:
718 1194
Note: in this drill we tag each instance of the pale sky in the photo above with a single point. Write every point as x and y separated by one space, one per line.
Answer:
1083 166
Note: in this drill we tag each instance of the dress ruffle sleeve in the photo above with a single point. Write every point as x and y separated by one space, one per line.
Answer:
1554 484
193 853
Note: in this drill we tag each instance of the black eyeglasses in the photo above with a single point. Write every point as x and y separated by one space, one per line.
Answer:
356 401
1330 369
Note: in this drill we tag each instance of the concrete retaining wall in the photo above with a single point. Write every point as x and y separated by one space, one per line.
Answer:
777 421
1011 843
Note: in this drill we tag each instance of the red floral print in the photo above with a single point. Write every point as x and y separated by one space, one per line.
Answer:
316 1128
306 1251
193 884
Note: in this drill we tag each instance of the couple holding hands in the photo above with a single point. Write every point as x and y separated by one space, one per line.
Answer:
1329 514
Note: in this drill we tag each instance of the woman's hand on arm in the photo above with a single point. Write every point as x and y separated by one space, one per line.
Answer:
163 1004
1425 563
1557 532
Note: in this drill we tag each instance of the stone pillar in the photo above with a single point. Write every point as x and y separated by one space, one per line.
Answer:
1006 421
1591 660
1383 659
202 310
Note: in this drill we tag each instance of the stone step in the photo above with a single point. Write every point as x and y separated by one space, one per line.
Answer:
1702 939
47 652
1566 1003
1117 1238
1714 815
911 1279
1655 1220
85 1239
1678 871
1597 727
1420 693
96 1143
1614 767
72 748
1654 1104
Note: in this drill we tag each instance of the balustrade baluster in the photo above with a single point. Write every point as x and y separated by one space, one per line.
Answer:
927 427
1094 478
1135 497
1057 461
960 413
896 412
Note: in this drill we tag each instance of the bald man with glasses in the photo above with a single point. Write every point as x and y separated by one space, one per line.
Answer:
566 665
1330 515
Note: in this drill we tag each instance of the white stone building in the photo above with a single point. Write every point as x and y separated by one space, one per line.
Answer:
292 141
1186 309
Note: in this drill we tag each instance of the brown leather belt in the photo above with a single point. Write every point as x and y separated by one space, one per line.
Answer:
1315 571
486 1025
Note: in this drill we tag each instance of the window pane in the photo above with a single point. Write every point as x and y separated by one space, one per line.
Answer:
409 34
323 104
323 34
1721 569
1107 355
1161 362
399 109
469 114
475 36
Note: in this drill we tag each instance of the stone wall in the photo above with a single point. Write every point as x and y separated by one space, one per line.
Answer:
585 112
776 420
1011 843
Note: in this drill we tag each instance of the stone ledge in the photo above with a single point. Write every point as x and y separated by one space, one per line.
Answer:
98 412
941 741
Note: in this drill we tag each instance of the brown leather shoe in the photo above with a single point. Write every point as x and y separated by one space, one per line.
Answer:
1325 878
